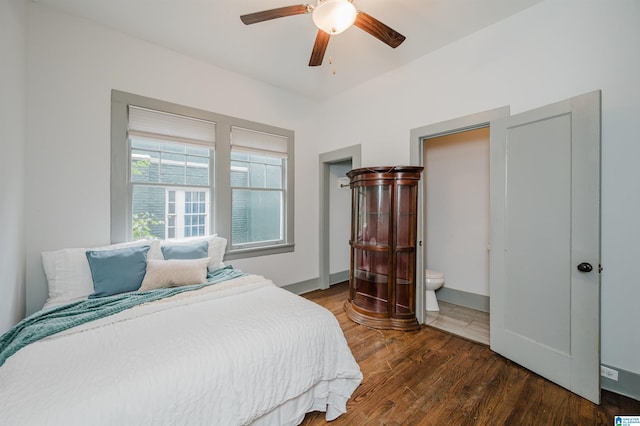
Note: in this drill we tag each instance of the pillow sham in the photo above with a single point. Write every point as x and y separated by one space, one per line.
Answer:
186 251
217 248
117 271
68 273
174 273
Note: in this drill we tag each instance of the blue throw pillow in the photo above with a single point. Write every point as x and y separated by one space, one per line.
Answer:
186 251
117 271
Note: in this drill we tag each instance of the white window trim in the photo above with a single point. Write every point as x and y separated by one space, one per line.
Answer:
220 206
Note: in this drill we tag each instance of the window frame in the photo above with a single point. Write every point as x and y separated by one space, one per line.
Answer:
220 172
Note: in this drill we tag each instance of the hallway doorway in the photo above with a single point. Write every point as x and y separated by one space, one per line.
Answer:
335 214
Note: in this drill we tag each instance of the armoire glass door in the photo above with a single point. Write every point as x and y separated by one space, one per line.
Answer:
371 249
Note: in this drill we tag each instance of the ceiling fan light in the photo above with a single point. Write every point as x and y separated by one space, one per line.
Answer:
334 16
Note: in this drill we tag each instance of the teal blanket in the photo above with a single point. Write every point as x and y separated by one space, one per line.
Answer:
50 321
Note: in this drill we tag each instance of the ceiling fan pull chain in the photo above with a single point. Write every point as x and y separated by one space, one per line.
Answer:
333 68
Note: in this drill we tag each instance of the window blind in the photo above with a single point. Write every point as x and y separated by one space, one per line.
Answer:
157 125
259 142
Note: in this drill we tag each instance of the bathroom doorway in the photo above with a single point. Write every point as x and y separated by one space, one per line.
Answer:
458 151
456 217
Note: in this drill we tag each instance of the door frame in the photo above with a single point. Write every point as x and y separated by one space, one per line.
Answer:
353 153
417 146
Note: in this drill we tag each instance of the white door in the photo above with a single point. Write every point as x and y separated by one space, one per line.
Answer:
545 237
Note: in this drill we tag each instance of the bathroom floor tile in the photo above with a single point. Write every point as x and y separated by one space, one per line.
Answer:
462 321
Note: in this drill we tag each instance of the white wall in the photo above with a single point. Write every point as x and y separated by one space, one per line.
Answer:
73 66
456 178
339 219
547 53
13 116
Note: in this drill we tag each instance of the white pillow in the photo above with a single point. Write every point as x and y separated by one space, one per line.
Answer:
68 273
217 248
174 273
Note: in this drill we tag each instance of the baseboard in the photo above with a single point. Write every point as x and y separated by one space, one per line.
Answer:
464 298
628 383
338 277
456 297
303 287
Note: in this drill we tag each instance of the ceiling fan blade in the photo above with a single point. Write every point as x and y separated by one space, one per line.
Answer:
319 47
379 30
280 12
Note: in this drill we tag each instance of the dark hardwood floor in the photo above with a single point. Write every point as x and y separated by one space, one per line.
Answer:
429 377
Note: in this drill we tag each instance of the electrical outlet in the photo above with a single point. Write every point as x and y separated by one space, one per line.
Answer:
609 373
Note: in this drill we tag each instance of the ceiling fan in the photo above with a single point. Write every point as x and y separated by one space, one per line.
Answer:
331 17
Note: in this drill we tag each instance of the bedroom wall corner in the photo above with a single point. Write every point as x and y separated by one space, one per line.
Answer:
13 51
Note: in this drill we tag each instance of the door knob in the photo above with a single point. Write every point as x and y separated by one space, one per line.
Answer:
585 267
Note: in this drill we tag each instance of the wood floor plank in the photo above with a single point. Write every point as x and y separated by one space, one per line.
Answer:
430 377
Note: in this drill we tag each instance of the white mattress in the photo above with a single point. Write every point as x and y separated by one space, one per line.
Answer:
235 353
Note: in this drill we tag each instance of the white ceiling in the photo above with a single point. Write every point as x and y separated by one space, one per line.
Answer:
277 51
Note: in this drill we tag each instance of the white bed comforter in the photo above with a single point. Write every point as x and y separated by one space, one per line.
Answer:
235 353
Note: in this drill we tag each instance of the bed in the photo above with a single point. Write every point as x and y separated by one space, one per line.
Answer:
235 350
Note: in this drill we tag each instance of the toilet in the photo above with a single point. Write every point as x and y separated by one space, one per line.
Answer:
433 280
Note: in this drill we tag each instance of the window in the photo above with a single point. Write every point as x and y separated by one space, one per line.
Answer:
169 174
181 172
258 188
